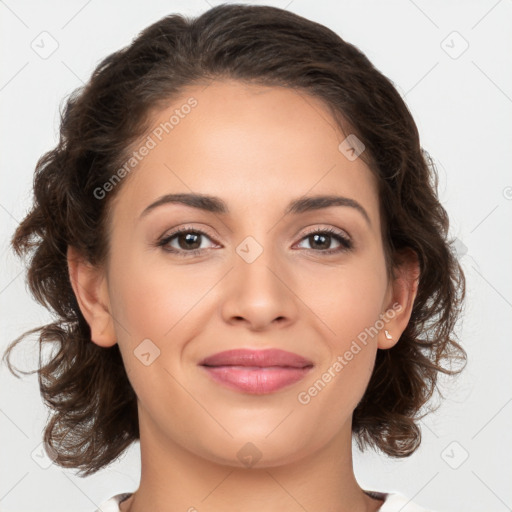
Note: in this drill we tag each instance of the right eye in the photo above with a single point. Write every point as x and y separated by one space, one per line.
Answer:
184 242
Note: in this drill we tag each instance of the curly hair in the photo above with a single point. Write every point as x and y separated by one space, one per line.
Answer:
94 407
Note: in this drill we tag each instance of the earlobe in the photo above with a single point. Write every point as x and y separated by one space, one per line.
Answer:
403 291
90 288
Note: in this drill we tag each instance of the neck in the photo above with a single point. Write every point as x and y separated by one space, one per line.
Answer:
175 479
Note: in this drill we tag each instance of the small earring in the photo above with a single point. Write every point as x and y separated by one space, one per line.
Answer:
388 336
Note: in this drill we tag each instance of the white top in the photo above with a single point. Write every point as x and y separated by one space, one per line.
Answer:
393 502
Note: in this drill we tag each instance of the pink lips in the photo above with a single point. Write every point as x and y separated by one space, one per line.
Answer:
256 371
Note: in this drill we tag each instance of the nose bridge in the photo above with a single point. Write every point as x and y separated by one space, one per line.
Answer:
256 265
257 292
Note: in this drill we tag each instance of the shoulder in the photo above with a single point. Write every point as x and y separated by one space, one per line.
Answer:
396 502
112 504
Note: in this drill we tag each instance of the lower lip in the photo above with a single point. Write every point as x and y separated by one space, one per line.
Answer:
256 380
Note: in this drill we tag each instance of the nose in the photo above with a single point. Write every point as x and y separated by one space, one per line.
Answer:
260 294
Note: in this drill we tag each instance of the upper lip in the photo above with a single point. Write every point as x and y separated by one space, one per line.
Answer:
261 358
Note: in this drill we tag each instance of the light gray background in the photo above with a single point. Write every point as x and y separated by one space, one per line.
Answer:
462 103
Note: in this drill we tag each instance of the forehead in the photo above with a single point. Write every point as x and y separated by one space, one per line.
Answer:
251 145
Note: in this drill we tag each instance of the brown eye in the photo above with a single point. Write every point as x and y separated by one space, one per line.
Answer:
189 240
322 241
185 242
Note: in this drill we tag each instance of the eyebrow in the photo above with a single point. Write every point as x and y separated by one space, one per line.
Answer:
217 205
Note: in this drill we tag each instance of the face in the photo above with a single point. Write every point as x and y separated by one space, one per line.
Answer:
256 267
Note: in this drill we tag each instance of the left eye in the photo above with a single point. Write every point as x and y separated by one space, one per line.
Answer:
322 240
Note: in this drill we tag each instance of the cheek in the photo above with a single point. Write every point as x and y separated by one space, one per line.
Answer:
152 299
151 305
151 296
347 299
349 303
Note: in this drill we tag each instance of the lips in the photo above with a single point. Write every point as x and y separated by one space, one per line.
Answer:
259 358
256 371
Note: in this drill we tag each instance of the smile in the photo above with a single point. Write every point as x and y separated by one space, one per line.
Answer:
256 371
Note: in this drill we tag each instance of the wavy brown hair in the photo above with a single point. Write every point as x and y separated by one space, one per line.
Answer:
94 408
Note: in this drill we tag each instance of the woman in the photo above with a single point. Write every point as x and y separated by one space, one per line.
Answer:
241 237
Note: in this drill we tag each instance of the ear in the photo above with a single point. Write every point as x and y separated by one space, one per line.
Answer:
90 287
400 298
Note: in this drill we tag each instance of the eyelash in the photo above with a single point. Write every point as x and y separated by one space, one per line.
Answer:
344 241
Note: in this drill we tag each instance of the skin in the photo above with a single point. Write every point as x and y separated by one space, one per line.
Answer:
257 148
